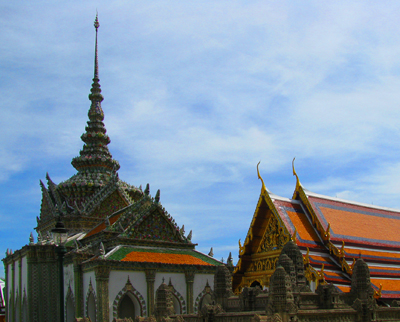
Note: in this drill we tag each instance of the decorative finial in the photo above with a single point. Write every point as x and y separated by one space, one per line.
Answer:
147 190
263 189
295 174
157 197
211 253
189 237
230 259
96 21
96 112
31 239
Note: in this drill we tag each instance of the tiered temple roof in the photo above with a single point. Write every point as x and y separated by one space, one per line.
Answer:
95 191
330 232
108 219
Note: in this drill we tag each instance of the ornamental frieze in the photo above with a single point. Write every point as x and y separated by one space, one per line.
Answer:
266 264
275 236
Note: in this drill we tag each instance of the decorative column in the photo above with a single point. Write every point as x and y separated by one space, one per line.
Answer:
102 278
189 276
78 278
150 278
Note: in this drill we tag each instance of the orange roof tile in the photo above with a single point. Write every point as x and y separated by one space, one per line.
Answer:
357 224
372 255
300 221
163 258
102 226
343 288
361 225
387 284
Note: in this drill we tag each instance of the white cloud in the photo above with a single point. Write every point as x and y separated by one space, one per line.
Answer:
197 94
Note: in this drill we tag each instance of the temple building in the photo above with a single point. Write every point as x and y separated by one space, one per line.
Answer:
122 245
331 234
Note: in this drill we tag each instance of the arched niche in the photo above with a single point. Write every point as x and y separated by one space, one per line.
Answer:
91 303
129 296
205 297
178 300
17 308
128 306
70 306
24 308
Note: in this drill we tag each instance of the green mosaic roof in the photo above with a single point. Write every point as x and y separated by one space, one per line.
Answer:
124 251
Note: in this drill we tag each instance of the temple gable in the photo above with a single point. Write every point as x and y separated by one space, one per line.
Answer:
109 205
155 226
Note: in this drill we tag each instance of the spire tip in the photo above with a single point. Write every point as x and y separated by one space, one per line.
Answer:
96 21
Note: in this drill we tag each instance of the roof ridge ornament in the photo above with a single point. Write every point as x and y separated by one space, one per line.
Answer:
263 188
298 184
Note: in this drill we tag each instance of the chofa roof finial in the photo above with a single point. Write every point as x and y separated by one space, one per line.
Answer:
263 188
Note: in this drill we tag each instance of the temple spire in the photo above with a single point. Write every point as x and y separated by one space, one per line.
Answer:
95 164
96 113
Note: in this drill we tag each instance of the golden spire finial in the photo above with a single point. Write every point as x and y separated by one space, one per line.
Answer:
307 257
378 293
241 248
263 189
328 232
322 273
295 174
342 249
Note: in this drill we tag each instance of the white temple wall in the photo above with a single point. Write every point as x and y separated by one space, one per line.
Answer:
24 279
69 279
88 277
177 279
200 281
16 277
117 282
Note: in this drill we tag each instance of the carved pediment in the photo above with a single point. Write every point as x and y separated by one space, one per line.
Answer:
275 236
154 225
109 205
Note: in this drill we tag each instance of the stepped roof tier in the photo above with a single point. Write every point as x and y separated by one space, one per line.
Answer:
95 164
331 234
140 235
95 192
144 223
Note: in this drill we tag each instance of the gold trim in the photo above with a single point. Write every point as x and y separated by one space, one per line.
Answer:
378 293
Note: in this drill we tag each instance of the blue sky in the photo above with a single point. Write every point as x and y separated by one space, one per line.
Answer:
196 94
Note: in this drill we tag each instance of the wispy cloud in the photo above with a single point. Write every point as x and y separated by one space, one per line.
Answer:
197 94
